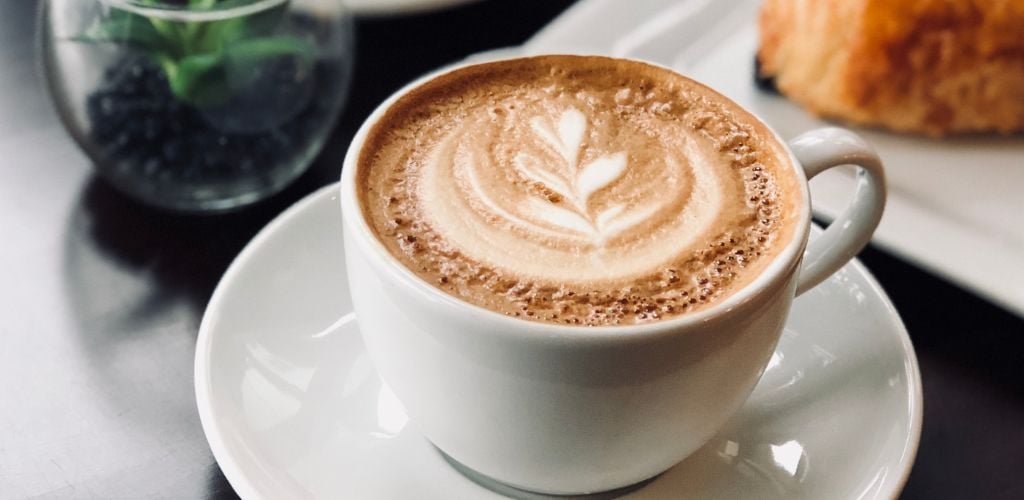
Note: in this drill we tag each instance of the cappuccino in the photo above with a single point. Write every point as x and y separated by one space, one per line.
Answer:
577 190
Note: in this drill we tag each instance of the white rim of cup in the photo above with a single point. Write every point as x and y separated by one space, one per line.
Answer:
784 262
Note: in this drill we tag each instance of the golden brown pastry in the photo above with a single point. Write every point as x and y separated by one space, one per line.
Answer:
931 66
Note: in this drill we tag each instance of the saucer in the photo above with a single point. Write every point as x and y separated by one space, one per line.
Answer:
398 7
293 408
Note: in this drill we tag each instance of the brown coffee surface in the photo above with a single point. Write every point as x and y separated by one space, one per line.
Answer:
577 190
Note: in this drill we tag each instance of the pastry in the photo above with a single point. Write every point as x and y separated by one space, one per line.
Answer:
929 66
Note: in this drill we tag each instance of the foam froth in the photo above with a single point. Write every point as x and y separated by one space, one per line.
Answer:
576 190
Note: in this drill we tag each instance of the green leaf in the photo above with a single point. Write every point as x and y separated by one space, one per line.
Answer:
172 33
197 57
199 79
129 29
195 32
215 35
202 79
256 49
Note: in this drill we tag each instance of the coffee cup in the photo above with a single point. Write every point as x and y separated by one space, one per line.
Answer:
568 409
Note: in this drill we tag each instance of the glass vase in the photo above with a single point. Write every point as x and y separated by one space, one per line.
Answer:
197 105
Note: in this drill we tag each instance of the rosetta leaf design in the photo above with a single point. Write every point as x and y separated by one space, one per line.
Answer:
571 127
560 217
567 137
599 173
575 183
608 214
530 167
544 132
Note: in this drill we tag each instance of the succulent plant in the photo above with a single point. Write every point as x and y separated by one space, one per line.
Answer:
204 61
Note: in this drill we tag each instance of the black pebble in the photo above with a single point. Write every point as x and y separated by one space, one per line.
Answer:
137 121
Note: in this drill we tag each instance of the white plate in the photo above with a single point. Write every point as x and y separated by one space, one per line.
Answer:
955 205
398 7
292 407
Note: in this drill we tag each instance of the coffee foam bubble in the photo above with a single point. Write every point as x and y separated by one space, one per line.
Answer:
581 197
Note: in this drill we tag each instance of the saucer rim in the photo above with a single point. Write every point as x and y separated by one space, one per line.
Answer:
201 369
244 488
402 8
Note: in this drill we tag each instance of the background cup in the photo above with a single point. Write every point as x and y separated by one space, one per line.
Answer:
571 409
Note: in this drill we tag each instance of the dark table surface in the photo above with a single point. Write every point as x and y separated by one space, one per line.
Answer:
101 298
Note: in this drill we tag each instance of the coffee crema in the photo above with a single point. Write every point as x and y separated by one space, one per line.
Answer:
577 190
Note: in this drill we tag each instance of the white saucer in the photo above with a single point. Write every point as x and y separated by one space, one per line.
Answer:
292 407
398 7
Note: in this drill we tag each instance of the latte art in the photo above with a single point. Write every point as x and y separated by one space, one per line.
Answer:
531 191
576 190
570 181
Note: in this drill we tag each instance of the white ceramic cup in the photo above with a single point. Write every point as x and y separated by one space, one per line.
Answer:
574 409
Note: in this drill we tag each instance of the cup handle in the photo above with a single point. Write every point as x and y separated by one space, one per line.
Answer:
818 151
